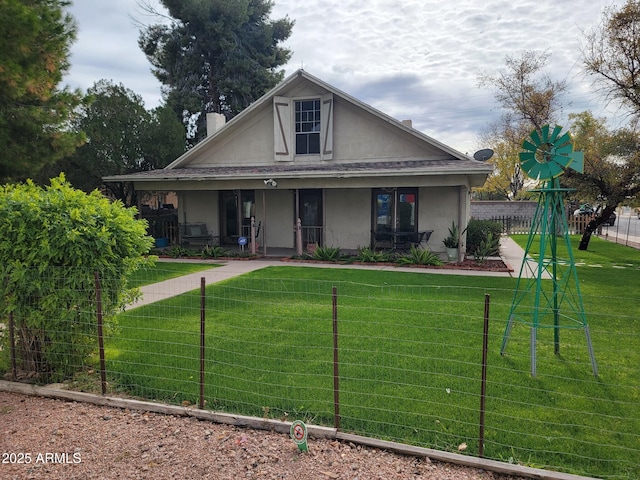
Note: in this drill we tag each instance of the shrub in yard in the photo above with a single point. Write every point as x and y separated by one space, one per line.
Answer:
54 239
214 251
478 231
331 254
178 251
369 255
487 248
419 256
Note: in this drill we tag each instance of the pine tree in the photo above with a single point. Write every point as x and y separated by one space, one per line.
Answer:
34 50
217 55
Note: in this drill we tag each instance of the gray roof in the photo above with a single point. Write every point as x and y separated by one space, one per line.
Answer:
452 162
291 170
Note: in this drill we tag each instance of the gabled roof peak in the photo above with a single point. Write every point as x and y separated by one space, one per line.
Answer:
283 87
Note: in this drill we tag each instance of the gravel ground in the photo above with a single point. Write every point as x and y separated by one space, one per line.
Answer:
56 439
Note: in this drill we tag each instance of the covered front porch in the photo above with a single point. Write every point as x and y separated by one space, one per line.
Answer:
386 218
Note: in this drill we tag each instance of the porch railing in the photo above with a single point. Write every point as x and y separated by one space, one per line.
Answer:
312 234
246 231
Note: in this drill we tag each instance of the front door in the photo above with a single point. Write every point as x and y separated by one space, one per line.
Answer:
310 213
237 208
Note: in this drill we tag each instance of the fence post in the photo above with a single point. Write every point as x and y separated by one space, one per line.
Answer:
202 350
103 370
336 381
483 384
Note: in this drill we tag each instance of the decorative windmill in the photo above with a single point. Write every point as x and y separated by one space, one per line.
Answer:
556 303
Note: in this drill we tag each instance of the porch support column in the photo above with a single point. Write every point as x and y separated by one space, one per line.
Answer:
264 226
297 220
299 237
463 213
252 232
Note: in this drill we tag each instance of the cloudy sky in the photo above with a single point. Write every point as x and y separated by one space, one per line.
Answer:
412 59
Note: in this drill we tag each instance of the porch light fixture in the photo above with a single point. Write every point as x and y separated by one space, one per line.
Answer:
271 183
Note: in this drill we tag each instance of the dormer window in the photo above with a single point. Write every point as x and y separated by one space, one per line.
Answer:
303 127
307 127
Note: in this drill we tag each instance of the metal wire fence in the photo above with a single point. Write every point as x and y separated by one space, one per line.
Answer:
521 224
625 231
400 362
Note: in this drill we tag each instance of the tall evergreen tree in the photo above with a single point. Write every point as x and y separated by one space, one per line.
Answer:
216 56
122 137
34 49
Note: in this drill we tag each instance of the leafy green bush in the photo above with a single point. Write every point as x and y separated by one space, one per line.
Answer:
54 240
178 251
478 231
451 240
214 252
487 248
419 256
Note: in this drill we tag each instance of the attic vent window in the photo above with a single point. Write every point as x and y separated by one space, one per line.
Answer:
308 126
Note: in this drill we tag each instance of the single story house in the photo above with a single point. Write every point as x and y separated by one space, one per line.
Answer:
352 175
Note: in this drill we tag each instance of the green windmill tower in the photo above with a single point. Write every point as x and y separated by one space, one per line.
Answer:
547 294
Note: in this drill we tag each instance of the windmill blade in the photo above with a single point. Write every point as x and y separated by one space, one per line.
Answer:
564 139
563 160
577 162
555 170
545 133
565 149
528 163
527 156
536 172
526 145
535 136
554 135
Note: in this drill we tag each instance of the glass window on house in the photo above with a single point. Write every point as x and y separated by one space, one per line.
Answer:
308 127
395 210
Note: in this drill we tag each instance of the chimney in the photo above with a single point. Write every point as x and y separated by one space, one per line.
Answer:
215 121
407 123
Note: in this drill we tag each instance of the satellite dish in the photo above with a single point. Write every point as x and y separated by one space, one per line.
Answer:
483 155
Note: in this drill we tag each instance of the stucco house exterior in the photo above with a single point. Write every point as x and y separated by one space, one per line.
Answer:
308 151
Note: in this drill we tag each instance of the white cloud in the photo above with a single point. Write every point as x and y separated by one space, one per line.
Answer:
415 59
107 48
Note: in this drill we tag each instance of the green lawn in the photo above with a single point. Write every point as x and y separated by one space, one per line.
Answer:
410 354
166 270
600 252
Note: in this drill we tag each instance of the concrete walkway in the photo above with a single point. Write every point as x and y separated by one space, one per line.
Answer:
177 286
511 253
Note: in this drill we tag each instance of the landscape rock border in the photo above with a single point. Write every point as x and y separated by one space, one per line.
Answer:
423 458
